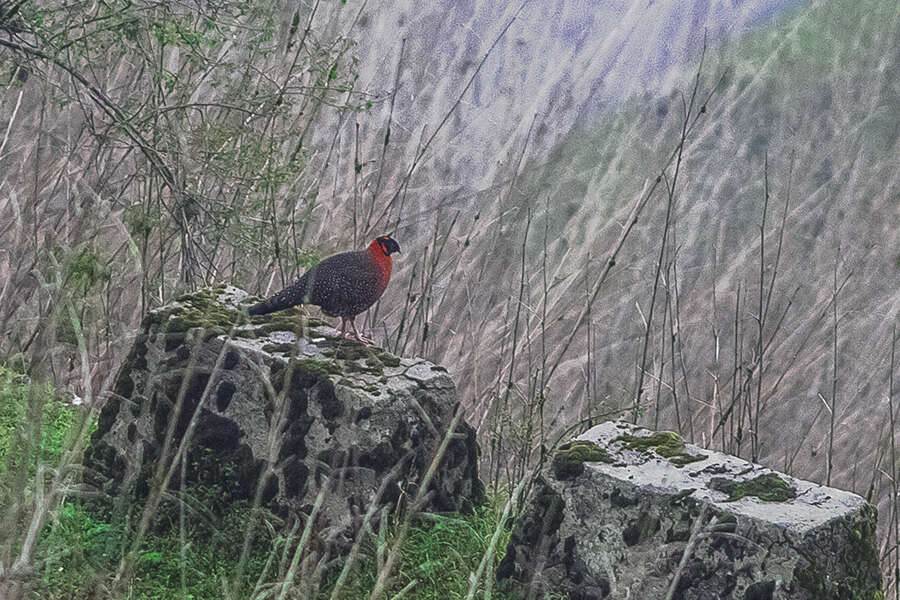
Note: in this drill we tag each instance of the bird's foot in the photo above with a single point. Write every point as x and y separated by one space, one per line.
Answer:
352 335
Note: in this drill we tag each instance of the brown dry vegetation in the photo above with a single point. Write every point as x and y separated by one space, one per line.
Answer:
720 259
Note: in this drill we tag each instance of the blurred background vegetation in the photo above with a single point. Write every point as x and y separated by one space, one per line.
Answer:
685 215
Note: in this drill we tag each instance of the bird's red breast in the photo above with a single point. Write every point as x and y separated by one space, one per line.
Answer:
383 263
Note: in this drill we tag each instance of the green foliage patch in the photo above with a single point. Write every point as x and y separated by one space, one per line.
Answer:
34 428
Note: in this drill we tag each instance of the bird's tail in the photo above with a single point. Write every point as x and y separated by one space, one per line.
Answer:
261 308
289 296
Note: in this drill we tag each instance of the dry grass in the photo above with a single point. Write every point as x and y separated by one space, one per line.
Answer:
564 274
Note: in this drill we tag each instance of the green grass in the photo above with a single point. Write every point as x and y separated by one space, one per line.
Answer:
438 555
34 428
80 548
19 399
80 551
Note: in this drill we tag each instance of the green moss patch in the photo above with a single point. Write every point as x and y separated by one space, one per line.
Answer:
319 366
293 325
769 487
666 444
569 459
200 309
294 319
337 359
353 351
373 359
389 360
284 348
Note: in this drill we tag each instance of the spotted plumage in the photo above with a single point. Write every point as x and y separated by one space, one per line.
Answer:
343 285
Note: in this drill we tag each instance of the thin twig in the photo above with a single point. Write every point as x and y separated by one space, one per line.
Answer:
696 536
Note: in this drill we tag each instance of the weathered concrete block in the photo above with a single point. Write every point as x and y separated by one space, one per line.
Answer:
625 512
309 414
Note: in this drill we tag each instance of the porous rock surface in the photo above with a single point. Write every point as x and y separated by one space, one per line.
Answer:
622 509
314 411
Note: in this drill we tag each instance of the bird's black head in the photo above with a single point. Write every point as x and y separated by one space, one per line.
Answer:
388 244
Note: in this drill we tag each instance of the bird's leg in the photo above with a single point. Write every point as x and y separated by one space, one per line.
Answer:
343 326
356 335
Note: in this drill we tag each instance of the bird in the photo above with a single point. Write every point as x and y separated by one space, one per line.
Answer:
343 285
